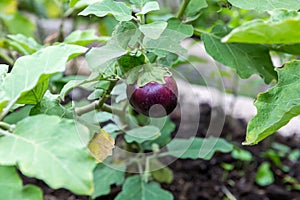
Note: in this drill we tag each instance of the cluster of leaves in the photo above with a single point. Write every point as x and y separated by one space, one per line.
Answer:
61 145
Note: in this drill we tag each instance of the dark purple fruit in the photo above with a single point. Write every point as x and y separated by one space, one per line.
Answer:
154 99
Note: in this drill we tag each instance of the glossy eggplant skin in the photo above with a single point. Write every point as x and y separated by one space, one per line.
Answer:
154 99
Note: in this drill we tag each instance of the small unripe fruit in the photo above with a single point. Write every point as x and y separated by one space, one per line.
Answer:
154 99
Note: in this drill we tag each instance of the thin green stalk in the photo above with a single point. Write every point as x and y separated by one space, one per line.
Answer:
8 59
182 8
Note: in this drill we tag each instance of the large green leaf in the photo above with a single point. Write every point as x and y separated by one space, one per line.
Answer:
246 59
135 188
265 5
198 147
11 187
170 38
149 7
118 9
154 29
277 106
281 28
105 176
29 77
53 150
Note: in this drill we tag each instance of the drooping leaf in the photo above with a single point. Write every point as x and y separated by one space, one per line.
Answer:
277 106
135 188
194 148
105 176
29 77
84 38
101 145
118 9
11 186
120 92
246 59
22 44
171 37
154 29
281 28
266 5
53 150
142 134
264 175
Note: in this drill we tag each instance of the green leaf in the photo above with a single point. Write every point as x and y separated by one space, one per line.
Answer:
142 134
29 77
194 7
147 73
264 175
22 44
120 92
105 176
241 154
289 48
118 9
11 186
148 7
135 188
84 38
97 57
166 130
281 28
194 148
160 172
53 150
277 106
266 5
128 62
50 105
246 59
154 29
18 24
171 37
18 114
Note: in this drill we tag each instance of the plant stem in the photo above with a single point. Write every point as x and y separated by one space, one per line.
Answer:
95 106
6 126
182 8
7 109
5 133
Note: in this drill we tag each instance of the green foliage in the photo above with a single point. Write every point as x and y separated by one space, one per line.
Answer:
246 59
266 5
198 147
277 106
118 9
271 31
11 186
105 176
38 150
142 134
264 175
135 188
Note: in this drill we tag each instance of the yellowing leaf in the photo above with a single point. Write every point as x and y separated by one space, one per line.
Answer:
101 145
